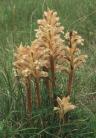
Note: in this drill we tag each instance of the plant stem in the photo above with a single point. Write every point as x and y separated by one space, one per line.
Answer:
37 92
48 84
70 82
28 95
52 71
70 79
48 87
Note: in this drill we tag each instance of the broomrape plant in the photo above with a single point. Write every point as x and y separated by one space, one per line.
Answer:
73 57
49 53
28 64
49 35
64 106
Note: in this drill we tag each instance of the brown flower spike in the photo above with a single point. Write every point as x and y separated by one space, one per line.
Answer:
28 63
49 35
73 58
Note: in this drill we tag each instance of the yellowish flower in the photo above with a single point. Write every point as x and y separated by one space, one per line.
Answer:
75 38
49 35
73 58
29 61
64 106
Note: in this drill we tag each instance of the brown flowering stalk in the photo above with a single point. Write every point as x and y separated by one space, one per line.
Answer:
28 95
28 66
49 35
73 57
48 84
64 106
21 64
40 54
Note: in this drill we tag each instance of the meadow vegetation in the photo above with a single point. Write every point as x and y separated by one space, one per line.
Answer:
18 20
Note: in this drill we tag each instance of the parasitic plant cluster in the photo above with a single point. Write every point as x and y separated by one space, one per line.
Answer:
48 54
28 62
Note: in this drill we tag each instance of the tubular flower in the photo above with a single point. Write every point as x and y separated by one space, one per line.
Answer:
41 54
73 57
64 106
27 63
49 35
75 39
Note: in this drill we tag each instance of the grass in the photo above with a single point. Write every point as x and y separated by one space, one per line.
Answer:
17 24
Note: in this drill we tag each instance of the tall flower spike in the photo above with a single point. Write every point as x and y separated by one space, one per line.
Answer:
49 35
49 32
22 61
73 57
64 106
22 66
42 55
28 63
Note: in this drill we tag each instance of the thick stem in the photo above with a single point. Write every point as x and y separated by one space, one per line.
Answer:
70 82
48 84
28 95
70 79
52 71
48 87
37 93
